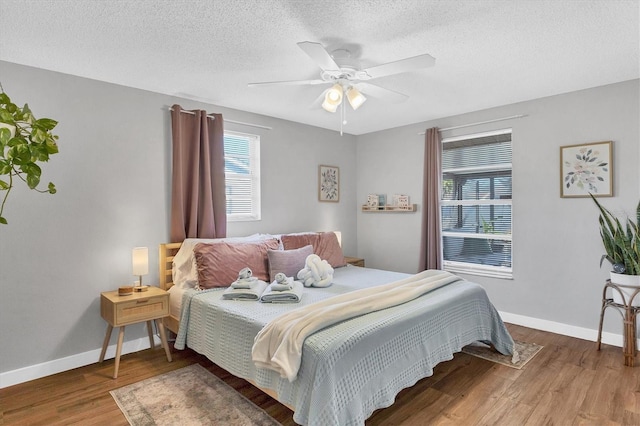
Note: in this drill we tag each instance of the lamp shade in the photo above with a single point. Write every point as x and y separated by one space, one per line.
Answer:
332 98
356 99
140 260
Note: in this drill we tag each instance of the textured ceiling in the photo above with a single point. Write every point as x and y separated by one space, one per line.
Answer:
488 53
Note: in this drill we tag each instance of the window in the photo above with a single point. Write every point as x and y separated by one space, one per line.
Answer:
242 176
476 204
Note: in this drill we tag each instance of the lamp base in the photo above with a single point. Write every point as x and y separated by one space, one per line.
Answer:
141 288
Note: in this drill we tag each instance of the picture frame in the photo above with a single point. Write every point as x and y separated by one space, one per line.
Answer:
328 183
586 168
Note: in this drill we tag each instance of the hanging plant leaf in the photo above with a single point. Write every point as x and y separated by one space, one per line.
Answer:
32 142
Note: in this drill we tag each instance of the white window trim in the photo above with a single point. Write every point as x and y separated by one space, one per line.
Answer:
470 268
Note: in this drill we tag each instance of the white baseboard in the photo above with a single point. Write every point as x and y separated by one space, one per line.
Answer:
564 329
37 371
48 368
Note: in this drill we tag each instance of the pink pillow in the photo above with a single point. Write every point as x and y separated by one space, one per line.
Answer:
289 262
325 245
218 264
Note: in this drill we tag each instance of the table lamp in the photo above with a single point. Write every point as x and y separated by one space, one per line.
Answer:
140 261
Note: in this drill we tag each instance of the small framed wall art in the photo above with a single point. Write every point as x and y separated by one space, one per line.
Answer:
328 183
586 168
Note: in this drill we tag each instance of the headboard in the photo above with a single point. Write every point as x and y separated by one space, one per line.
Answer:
165 261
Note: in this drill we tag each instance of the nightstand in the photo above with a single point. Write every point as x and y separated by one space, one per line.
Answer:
355 261
120 311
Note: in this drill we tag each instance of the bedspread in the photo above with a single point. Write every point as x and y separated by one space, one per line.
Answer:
352 368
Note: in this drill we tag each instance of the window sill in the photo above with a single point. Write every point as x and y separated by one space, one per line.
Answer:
478 270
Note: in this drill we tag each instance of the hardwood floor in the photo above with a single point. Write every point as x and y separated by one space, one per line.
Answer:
567 383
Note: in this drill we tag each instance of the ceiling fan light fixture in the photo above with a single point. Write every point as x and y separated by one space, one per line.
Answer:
356 99
332 98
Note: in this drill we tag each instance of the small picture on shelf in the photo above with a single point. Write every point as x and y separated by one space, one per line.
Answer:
382 200
400 200
372 200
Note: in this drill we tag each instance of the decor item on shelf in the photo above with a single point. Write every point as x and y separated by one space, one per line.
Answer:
140 263
403 201
382 200
24 142
586 169
388 208
328 183
346 77
621 240
372 200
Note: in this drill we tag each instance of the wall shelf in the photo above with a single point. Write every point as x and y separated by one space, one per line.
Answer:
379 209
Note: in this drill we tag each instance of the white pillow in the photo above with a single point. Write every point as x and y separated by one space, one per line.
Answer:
185 272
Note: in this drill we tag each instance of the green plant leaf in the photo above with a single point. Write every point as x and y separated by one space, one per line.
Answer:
4 98
3 220
6 116
38 135
3 185
5 167
52 188
5 135
19 154
32 169
46 123
33 181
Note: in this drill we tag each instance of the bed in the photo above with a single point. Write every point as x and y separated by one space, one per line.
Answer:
350 369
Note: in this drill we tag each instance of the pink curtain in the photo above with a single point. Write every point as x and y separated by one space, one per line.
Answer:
431 242
198 200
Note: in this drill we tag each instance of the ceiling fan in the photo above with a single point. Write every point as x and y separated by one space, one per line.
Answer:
343 72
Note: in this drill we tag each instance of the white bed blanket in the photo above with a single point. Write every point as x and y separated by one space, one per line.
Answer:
278 346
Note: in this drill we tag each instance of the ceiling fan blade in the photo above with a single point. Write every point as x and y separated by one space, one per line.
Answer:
289 83
382 93
403 65
319 54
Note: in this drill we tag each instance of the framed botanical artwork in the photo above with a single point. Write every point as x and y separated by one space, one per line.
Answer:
586 168
328 183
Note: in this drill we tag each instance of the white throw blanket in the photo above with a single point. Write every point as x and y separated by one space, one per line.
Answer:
278 346
316 273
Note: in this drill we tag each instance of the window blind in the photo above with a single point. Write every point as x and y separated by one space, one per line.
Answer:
242 176
476 204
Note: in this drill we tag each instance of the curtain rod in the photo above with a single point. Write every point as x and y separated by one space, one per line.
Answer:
227 120
479 122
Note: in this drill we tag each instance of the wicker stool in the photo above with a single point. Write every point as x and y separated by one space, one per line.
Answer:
629 313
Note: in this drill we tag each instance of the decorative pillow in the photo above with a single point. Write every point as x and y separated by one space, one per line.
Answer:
185 271
289 262
325 245
218 264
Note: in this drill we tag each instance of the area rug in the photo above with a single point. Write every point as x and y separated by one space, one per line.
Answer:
188 396
526 351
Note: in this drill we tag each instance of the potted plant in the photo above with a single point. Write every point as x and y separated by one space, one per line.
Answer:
24 141
621 239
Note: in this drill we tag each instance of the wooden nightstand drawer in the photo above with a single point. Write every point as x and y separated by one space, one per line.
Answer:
141 310
123 310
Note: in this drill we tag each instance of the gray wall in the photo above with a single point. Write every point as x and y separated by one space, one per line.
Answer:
113 178
557 246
